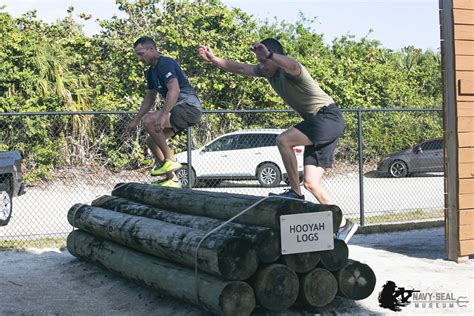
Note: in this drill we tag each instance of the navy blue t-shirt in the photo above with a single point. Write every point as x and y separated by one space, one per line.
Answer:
167 68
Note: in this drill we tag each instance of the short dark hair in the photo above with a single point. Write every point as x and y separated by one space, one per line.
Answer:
144 40
273 45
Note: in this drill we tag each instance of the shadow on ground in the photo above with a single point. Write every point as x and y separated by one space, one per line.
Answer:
421 243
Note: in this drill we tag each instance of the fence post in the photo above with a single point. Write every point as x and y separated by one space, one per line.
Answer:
188 151
361 167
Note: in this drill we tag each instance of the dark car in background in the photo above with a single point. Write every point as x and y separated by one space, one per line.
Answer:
422 157
11 183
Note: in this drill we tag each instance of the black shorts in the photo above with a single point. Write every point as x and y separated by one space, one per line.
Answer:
323 129
184 116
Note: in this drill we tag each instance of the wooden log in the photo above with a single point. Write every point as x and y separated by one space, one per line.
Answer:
222 205
336 258
266 241
218 296
317 288
301 262
355 280
229 257
275 286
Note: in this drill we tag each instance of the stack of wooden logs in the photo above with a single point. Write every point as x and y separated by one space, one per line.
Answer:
151 234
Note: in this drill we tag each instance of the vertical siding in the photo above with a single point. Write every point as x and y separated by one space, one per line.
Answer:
463 19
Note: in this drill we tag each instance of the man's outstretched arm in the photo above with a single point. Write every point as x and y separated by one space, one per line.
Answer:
238 68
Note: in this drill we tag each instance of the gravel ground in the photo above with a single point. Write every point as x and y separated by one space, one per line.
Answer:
51 281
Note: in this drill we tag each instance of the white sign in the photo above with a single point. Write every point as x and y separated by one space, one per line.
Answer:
306 232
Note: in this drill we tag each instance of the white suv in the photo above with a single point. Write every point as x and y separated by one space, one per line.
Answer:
243 155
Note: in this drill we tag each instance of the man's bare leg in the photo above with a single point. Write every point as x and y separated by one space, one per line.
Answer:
313 182
159 139
285 142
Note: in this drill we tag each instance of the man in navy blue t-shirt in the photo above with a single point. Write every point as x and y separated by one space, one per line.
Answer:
181 108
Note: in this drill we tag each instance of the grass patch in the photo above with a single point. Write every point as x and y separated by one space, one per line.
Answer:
400 217
58 242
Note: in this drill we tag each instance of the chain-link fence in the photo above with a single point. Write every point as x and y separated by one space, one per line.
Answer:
73 158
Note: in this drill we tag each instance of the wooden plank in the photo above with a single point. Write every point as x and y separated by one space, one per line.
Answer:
465 98
466 86
465 63
462 16
466 232
464 32
464 48
465 108
463 4
466 186
466 170
464 75
461 76
465 124
466 217
466 247
466 155
466 201
466 139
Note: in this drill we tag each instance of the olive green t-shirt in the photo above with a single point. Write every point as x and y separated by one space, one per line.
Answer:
301 92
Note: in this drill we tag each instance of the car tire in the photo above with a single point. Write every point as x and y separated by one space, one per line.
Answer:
6 204
398 169
182 175
268 175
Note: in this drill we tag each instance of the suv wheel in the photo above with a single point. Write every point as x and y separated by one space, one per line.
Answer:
268 175
6 205
398 169
182 175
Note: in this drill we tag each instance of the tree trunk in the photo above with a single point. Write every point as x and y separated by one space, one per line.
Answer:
301 262
275 287
336 258
222 205
220 297
267 242
317 288
230 257
355 280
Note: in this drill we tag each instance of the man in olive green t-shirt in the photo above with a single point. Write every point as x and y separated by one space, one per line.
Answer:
320 129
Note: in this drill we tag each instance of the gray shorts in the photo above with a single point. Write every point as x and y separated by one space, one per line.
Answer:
323 129
183 116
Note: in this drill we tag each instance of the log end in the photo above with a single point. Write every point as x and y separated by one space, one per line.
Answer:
336 258
356 280
276 287
73 213
237 298
237 260
317 288
302 262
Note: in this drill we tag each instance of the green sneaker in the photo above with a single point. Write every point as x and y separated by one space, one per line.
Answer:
167 166
169 183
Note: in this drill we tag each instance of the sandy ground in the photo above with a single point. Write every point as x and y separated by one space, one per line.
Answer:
50 281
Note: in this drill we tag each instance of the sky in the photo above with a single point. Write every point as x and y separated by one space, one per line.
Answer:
395 23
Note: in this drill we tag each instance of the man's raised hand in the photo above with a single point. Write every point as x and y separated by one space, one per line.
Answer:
260 50
206 53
